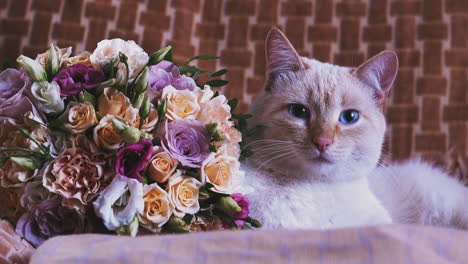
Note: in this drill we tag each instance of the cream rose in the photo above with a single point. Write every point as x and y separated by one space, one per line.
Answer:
105 136
82 58
183 192
78 117
47 95
161 166
158 206
222 171
107 50
181 104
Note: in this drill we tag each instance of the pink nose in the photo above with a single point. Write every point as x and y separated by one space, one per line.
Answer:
322 143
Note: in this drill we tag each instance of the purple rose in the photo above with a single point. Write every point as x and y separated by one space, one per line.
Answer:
244 204
187 141
14 100
48 219
133 158
166 73
78 77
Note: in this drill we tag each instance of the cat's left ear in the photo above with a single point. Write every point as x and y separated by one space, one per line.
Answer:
379 72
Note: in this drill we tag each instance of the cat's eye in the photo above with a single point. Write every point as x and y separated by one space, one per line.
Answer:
349 116
299 111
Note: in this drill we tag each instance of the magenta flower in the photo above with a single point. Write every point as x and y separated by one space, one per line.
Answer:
133 158
48 219
244 204
187 141
78 77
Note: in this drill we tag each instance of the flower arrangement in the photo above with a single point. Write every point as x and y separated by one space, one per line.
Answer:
117 141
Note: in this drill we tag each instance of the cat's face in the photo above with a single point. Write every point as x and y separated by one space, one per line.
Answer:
320 118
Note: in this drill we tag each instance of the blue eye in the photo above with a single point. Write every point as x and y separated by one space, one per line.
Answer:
349 116
299 111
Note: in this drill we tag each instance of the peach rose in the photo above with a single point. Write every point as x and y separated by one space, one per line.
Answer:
158 206
78 176
183 192
82 58
181 104
78 117
161 166
222 171
11 175
148 124
215 111
113 102
105 136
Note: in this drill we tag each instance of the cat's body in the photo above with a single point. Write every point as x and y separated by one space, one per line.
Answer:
315 164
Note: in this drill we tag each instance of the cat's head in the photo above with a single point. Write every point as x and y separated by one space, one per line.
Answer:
320 118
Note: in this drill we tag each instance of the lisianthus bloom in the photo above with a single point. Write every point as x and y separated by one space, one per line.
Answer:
77 175
164 74
158 206
47 96
48 219
78 77
244 204
133 158
122 189
187 141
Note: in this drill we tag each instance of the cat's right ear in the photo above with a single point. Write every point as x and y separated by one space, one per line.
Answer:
280 54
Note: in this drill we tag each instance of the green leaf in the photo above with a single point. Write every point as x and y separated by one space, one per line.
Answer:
160 55
191 69
202 57
188 219
219 73
241 116
233 104
216 83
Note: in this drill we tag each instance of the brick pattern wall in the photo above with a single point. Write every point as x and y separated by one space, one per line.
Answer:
428 107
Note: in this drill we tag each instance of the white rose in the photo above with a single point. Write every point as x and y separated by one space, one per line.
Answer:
107 50
114 218
183 191
158 206
47 95
181 104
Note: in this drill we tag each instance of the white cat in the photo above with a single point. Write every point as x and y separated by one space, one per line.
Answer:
316 163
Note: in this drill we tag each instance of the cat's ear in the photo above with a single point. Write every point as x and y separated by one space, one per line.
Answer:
379 72
280 54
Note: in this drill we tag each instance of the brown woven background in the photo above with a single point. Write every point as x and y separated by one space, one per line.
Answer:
428 108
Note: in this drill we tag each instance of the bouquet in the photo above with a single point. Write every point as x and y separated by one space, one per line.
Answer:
118 141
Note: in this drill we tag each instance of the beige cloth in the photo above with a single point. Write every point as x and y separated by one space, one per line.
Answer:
382 244
12 248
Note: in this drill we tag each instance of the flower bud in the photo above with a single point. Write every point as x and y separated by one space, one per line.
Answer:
228 205
145 108
139 100
111 68
129 230
131 135
86 97
109 83
211 128
218 136
177 225
53 62
142 81
119 126
25 163
33 68
162 109
159 55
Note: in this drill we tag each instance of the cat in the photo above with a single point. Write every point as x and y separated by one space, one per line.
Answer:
316 164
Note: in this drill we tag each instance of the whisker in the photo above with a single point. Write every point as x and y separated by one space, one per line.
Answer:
278 156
